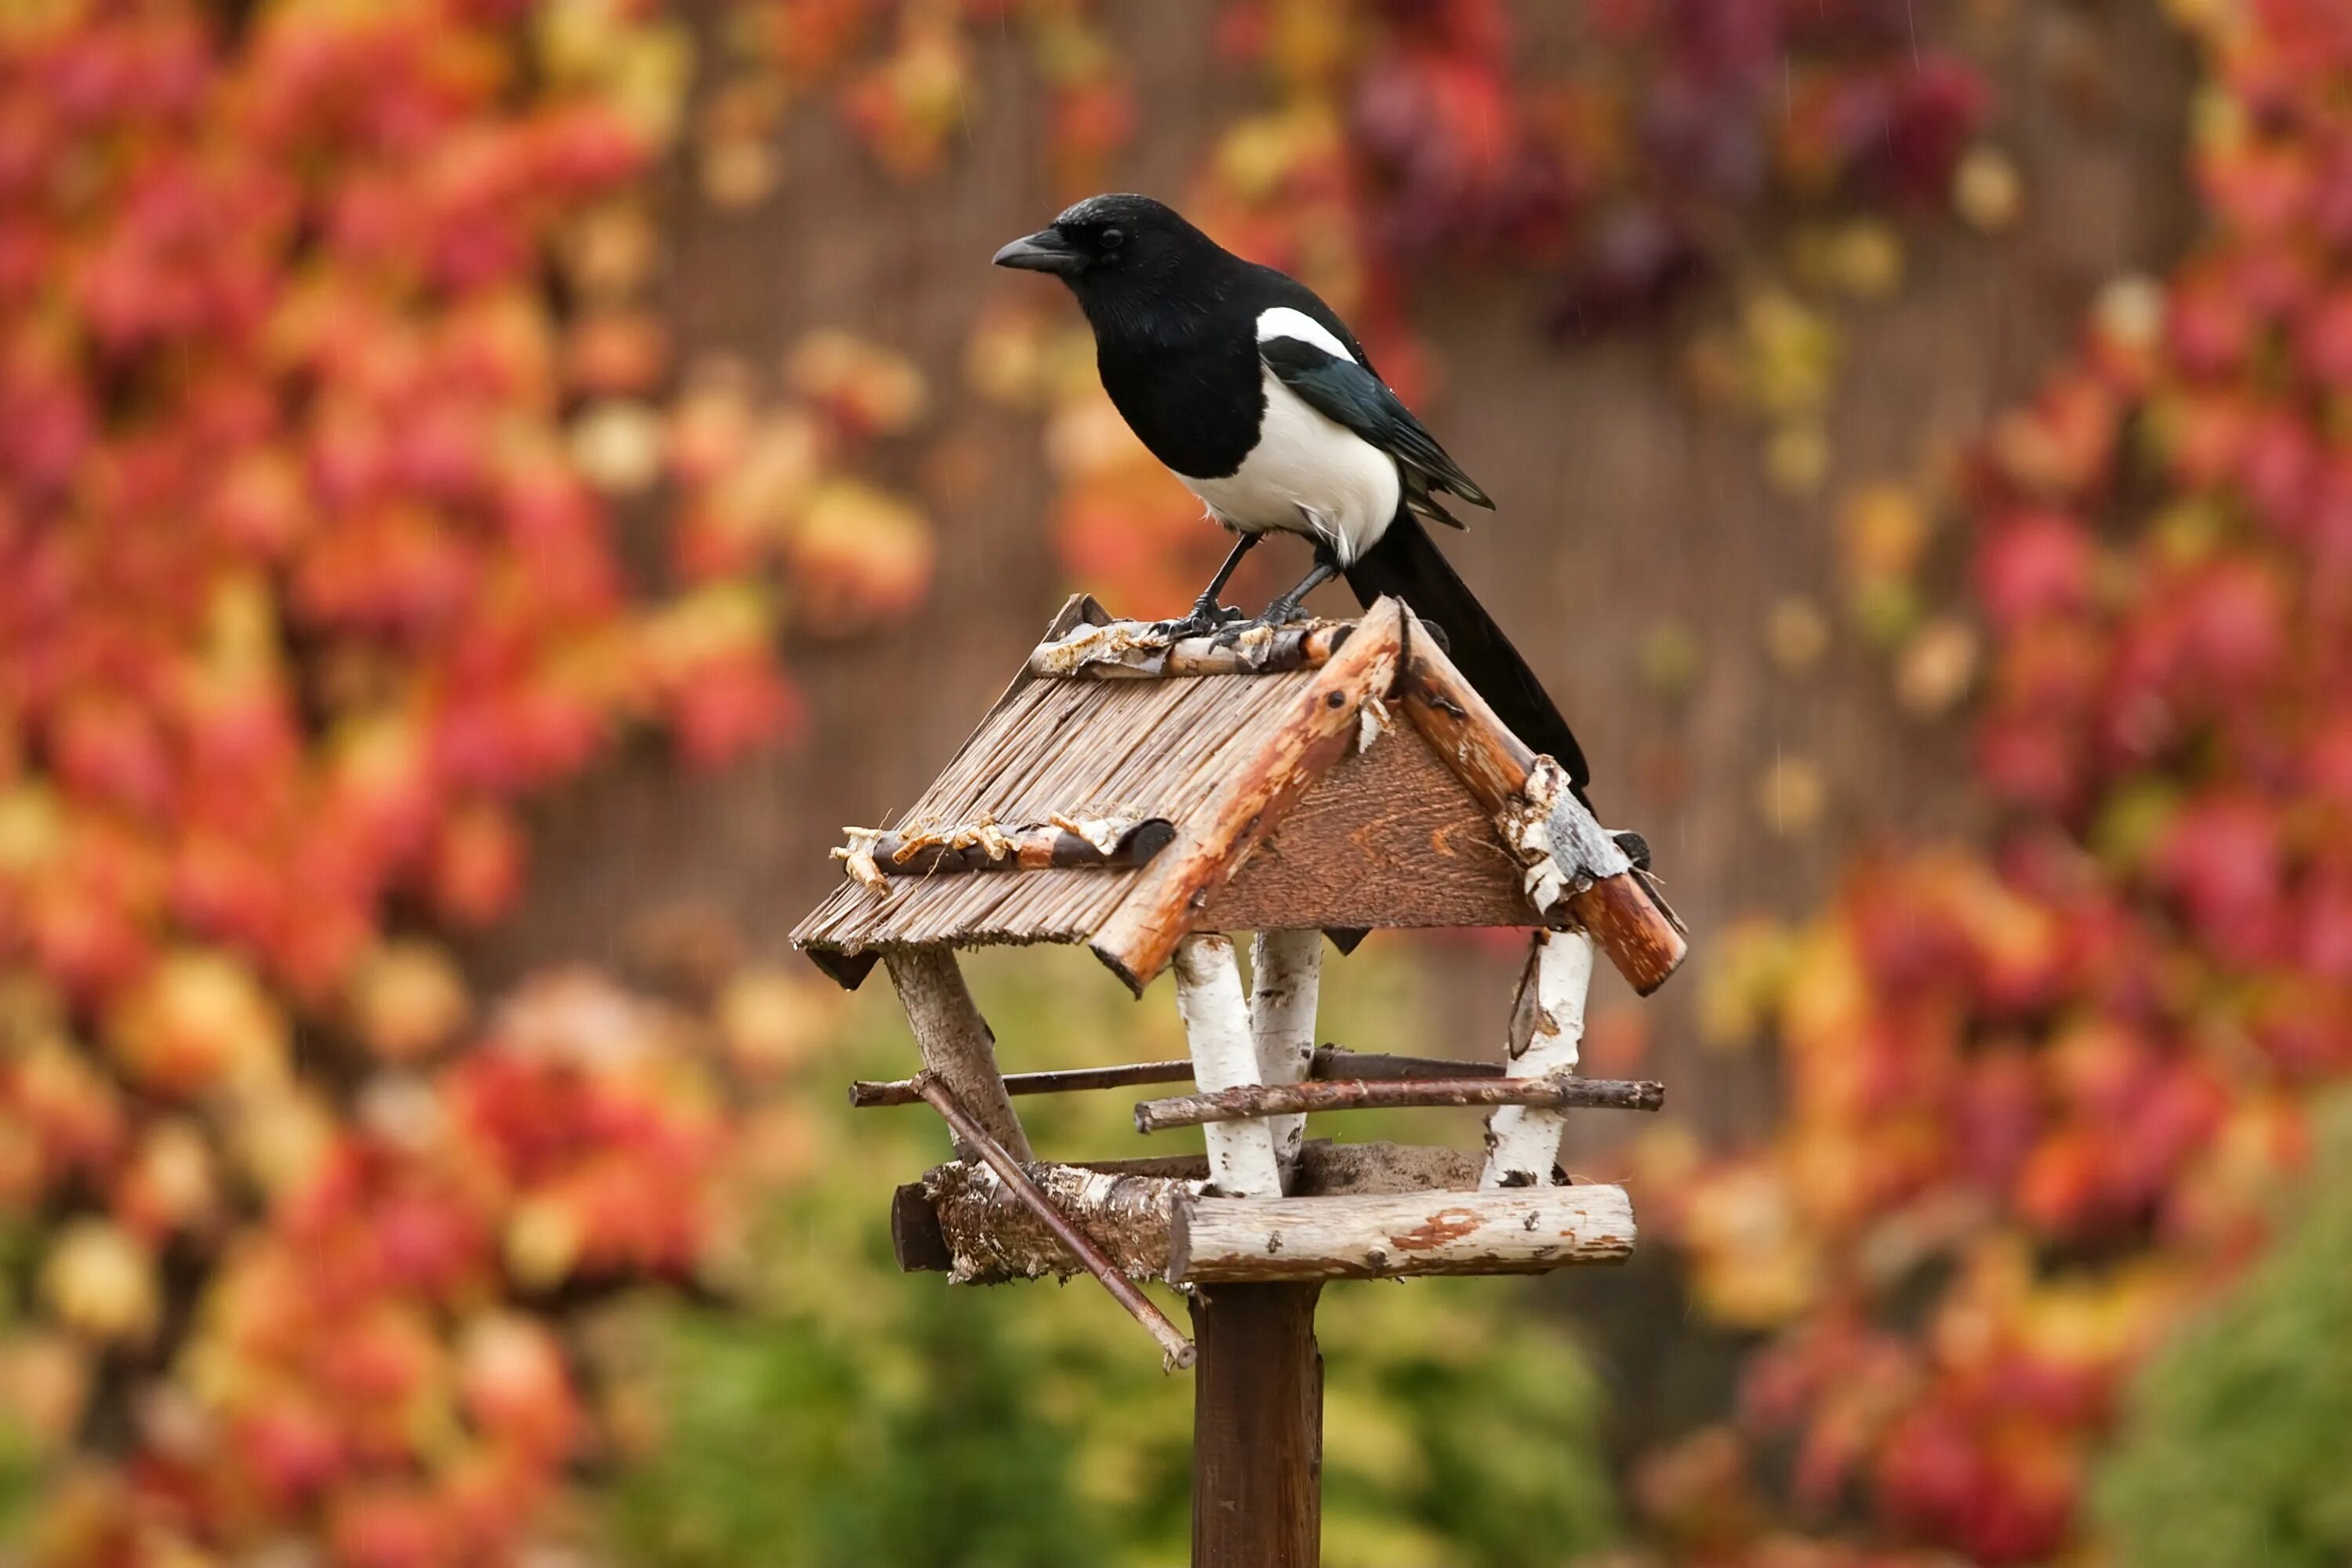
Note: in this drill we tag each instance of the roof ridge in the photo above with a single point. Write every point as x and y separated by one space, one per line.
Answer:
1140 935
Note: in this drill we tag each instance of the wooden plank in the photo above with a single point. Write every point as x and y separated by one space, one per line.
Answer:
1546 1033
1339 1062
1641 939
1513 1230
956 1043
1257 1428
1389 837
986 1235
1314 730
960 1220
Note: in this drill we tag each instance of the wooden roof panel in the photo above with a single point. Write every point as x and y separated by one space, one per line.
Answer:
1075 747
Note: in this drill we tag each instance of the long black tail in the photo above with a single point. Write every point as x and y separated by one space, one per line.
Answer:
1407 562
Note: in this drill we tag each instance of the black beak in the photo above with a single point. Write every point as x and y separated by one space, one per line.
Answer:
1043 251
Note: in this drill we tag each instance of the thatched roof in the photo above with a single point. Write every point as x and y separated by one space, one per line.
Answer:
1293 798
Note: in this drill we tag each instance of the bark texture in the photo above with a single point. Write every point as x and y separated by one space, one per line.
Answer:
1641 938
1286 970
956 1043
1257 1428
1548 1094
1518 1230
1546 1032
1242 1155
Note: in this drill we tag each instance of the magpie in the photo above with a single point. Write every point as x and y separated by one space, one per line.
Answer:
1254 394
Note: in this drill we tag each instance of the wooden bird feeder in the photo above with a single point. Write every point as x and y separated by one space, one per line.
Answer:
1150 800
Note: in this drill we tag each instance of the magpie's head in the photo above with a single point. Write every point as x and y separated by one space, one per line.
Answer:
1111 247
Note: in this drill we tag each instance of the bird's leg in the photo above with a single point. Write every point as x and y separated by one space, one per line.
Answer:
1206 605
1284 609
1207 614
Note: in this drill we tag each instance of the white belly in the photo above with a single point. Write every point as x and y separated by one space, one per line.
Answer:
1307 474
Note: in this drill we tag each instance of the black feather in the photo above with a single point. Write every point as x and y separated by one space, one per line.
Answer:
1407 564
1348 394
1423 503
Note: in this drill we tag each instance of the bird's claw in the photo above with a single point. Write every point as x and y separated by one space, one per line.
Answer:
1206 618
1280 613
1275 617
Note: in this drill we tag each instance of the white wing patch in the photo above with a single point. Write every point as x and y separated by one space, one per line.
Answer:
1307 474
1282 322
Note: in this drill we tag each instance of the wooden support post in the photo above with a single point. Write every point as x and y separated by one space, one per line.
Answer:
1257 1388
1216 1024
956 1044
1285 969
1257 1428
1546 1028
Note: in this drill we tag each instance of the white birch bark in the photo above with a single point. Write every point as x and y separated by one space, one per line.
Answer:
1547 1027
1209 998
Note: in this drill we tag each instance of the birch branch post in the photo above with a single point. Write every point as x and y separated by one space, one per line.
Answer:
957 1046
1285 967
1241 1156
1547 1033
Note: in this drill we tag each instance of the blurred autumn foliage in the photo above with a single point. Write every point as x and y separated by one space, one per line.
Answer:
2038 1097
2232 1448
328 355
1402 147
356 494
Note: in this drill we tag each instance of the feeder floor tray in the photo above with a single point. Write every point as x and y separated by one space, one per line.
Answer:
1361 1211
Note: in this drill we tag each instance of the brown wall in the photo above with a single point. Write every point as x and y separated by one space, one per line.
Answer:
1624 507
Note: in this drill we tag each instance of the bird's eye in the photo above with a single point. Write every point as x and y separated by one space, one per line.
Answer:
1112 238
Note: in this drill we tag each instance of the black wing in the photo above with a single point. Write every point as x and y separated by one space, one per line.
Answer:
1351 395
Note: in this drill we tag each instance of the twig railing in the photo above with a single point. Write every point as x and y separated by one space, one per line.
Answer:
1254 1100
1331 1062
